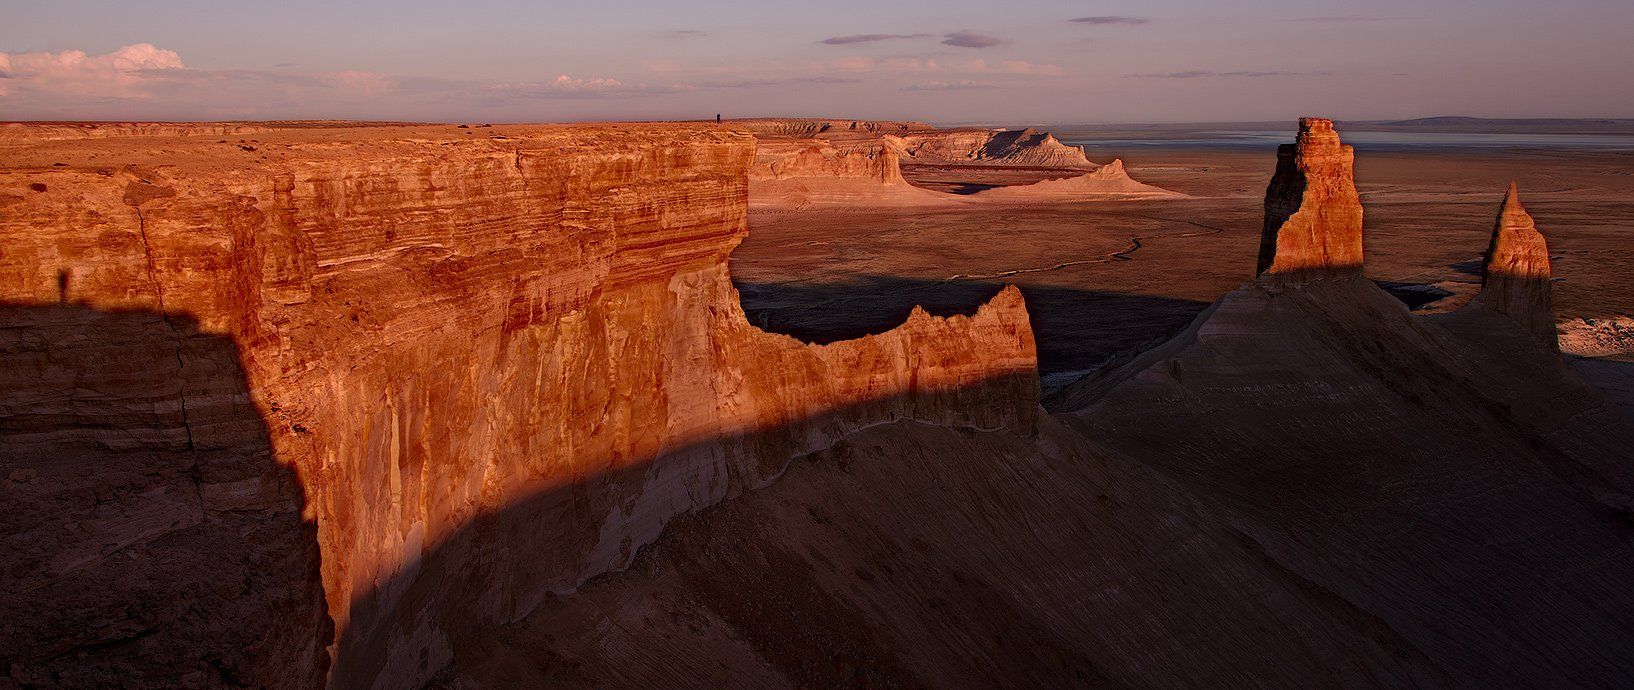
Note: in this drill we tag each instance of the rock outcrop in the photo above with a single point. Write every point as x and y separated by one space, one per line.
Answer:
1108 181
1313 215
1515 281
805 128
1024 147
1436 474
800 174
436 326
818 158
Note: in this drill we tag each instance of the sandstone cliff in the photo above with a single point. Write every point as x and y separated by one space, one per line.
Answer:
800 127
1515 281
1025 147
803 173
1313 216
436 325
481 409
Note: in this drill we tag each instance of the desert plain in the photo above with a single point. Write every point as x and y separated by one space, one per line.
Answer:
1103 279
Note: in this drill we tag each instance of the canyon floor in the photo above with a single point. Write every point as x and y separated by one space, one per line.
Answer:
1104 278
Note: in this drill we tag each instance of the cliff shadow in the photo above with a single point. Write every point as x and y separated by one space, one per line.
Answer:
463 591
1076 331
151 537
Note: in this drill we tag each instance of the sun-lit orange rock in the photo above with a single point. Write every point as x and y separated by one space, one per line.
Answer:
1515 281
437 323
1313 216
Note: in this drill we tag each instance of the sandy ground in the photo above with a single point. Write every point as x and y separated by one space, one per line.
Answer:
1104 278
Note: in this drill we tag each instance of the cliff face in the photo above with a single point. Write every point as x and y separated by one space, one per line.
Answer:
803 127
796 174
781 160
438 324
1516 277
1313 216
1026 147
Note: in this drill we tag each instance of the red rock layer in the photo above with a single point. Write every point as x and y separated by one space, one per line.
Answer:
781 160
1313 216
801 173
1027 147
800 127
439 323
1516 279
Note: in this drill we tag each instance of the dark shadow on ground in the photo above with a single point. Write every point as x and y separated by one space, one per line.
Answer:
502 564
1076 330
1414 295
151 538
968 188
1614 376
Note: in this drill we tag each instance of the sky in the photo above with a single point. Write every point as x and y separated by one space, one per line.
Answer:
954 61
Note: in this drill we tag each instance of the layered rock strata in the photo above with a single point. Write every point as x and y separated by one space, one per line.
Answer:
805 173
1515 281
438 326
1313 215
1024 147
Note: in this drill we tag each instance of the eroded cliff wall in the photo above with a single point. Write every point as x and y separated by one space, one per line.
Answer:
438 324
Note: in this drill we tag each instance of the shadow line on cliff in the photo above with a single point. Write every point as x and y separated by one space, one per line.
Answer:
503 564
1075 330
151 534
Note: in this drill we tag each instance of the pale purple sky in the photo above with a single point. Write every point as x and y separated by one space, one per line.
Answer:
1013 61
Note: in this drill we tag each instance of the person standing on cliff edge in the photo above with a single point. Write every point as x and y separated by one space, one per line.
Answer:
717 118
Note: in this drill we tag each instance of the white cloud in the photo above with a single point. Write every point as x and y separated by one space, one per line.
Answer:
123 73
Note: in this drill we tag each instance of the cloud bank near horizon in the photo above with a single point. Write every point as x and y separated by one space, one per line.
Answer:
144 81
956 60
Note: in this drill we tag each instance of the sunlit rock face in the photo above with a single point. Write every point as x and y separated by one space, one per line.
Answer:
1313 216
1025 147
437 324
1516 278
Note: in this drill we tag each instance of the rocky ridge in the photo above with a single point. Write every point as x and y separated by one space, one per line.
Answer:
436 325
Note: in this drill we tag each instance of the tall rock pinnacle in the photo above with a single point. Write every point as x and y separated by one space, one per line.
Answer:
1516 279
1313 216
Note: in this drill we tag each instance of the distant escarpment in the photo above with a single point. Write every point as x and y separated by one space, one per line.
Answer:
802 164
1025 147
798 127
366 348
801 173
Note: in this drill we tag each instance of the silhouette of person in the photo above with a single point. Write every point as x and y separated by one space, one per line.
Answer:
717 118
